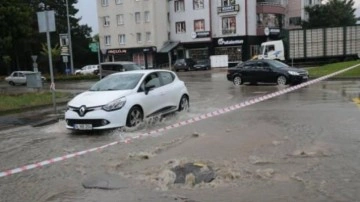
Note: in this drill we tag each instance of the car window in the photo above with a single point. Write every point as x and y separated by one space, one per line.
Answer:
117 82
166 77
113 67
129 67
249 65
277 64
152 80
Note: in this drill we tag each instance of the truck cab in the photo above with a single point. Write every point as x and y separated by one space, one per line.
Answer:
273 50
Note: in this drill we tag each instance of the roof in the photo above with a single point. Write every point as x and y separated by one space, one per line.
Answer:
118 62
168 46
144 71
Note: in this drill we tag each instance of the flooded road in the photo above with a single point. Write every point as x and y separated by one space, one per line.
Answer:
301 146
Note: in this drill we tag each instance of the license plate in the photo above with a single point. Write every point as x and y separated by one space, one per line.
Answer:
83 126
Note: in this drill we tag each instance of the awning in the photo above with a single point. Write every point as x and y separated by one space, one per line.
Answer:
168 46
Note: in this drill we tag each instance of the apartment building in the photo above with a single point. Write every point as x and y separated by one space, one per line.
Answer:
132 30
153 32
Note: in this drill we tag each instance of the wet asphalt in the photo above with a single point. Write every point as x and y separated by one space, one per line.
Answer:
301 146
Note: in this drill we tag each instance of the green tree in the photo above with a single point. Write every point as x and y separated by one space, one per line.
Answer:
334 13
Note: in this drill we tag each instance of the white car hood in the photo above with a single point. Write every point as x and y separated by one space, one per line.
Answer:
97 98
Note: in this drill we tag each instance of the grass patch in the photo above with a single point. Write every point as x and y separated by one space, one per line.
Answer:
330 68
20 101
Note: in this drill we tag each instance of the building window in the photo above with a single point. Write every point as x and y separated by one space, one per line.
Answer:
122 39
107 40
148 36
295 21
179 5
106 21
147 16
138 37
120 19
118 2
199 25
137 17
198 4
104 2
229 25
180 27
228 2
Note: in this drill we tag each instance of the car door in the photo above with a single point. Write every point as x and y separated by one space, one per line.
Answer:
271 75
247 71
262 72
152 99
169 89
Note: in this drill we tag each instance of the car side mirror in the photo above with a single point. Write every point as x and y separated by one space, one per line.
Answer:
149 88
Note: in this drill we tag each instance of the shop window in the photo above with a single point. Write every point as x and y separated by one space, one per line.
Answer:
295 21
234 53
198 4
254 50
229 25
180 27
179 5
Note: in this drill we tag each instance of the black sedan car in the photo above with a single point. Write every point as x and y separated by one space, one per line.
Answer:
184 64
202 64
266 71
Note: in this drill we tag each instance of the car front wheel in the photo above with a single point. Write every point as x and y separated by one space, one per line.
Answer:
237 80
184 103
12 83
135 117
281 80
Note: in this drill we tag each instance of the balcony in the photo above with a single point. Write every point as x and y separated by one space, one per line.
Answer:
228 9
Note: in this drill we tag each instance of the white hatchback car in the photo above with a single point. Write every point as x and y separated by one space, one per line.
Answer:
87 70
19 78
125 99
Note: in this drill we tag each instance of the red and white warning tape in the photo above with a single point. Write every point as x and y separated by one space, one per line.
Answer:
175 125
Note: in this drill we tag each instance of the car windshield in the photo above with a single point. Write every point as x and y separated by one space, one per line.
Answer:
204 61
277 64
117 82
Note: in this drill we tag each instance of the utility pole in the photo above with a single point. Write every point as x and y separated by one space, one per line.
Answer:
69 33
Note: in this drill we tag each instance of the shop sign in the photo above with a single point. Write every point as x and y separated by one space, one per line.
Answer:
201 34
117 51
223 42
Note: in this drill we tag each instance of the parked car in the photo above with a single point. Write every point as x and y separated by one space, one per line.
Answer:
19 78
184 64
108 68
266 71
125 99
202 64
87 70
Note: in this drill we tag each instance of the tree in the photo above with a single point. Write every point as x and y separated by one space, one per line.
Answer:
334 13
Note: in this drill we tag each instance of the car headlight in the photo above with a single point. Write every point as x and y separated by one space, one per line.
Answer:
115 105
293 73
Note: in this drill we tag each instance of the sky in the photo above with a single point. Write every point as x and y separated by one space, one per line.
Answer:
88 13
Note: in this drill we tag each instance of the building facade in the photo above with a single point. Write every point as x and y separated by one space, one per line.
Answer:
132 30
154 32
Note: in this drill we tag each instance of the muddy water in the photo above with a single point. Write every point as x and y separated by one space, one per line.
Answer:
301 146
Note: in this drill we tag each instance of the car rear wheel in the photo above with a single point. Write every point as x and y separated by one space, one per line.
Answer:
135 117
237 80
184 103
281 80
12 83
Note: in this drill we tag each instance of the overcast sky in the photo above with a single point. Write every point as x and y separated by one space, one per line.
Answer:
88 13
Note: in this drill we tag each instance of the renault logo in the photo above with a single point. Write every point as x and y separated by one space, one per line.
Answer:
82 110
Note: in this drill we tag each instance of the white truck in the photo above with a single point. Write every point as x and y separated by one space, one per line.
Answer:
306 45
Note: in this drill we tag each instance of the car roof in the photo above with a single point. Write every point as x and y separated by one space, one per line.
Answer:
118 62
145 71
24 71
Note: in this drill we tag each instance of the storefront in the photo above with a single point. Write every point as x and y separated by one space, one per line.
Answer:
142 56
237 48
196 51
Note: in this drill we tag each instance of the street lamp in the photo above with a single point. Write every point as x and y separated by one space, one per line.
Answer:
69 35
46 21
